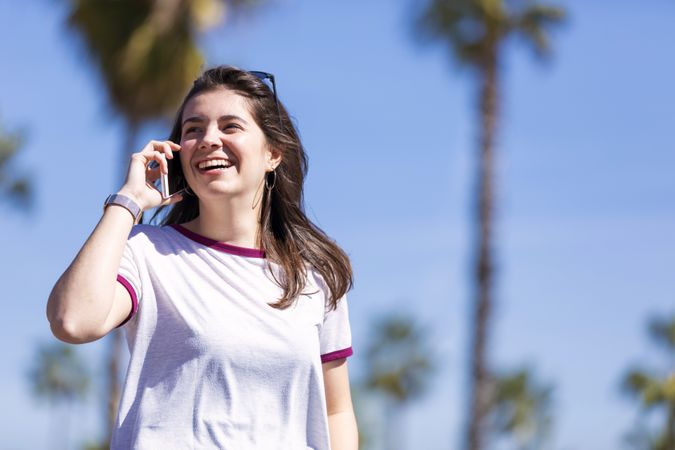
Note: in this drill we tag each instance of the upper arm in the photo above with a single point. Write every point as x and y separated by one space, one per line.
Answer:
336 385
123 307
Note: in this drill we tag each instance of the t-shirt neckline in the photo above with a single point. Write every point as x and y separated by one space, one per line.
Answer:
217 245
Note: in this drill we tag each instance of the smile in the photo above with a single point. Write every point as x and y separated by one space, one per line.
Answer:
214 164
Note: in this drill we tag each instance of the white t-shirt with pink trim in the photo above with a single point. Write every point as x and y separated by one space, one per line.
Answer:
212 365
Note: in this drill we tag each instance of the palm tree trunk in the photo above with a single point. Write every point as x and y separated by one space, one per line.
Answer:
115 356
113 381
55 427
392 431
66 423
670 427
480 395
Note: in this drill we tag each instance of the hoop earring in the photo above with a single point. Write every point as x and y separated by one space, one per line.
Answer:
269 188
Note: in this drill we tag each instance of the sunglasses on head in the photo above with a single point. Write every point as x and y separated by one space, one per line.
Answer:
268 76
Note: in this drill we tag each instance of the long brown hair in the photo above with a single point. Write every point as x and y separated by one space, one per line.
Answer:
288 237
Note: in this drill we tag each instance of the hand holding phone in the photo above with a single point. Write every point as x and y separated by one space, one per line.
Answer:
145 182
164 187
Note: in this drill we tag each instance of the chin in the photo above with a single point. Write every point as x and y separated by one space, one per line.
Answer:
214 192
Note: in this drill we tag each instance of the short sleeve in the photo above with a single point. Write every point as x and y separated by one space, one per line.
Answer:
336 336
128 276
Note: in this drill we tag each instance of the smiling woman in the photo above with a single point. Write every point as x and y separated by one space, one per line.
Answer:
235 307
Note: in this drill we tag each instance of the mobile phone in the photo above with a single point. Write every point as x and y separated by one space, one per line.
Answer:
164 183
164 187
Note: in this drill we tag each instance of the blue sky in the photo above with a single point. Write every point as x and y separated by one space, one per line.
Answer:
585 213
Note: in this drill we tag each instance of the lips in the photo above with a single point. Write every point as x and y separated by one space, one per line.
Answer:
214 164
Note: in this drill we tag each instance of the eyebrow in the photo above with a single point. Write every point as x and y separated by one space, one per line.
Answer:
221 118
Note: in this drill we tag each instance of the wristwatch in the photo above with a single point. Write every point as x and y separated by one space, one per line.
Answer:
125 202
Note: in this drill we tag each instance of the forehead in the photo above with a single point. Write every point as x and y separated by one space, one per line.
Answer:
216 103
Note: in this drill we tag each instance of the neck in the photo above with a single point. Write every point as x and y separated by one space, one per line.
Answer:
232 220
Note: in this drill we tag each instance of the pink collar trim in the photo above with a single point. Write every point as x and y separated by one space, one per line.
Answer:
221 246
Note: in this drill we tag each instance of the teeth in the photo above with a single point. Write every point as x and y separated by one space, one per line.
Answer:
214 162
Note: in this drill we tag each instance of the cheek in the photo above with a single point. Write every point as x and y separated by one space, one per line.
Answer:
186 142
185 155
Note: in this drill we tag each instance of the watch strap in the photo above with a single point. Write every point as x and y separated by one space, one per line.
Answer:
125 202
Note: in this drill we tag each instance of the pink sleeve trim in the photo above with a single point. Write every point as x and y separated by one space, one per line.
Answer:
134 298
345 352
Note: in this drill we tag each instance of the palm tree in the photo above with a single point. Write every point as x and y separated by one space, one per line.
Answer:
656 389
476 32
521 409
59 376
365 415
15 188
146 53
398 365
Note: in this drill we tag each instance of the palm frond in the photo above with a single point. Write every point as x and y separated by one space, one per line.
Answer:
460 24
648 388
520 406
662 332
399 362
145 53
534 23
471 28
58 373
14 187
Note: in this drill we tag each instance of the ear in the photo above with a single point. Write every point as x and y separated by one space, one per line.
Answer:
273 158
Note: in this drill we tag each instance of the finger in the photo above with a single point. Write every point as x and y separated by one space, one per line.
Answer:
138 161
165 148
175 147
153 147
175 198
161 160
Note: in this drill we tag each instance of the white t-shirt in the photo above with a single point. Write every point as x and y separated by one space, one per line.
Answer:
212 365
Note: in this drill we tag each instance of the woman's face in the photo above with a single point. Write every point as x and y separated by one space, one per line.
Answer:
224 151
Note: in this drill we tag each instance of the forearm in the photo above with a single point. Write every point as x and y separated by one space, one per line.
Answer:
82 297
344 434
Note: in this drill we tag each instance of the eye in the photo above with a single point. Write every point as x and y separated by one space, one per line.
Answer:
231 126
189 130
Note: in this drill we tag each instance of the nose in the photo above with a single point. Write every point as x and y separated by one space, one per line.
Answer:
210 138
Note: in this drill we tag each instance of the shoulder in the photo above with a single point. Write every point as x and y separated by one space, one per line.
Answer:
143 235
316 281
142 230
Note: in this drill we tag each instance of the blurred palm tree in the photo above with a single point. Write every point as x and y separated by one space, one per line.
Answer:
14 187
59 376
146 53
655 389
476 32
365 416
398 365
520 409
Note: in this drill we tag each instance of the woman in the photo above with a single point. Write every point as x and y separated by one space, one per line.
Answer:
235 309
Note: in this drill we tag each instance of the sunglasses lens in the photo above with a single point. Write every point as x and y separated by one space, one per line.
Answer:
265 78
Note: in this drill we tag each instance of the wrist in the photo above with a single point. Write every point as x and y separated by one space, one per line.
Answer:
131 196
127 202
